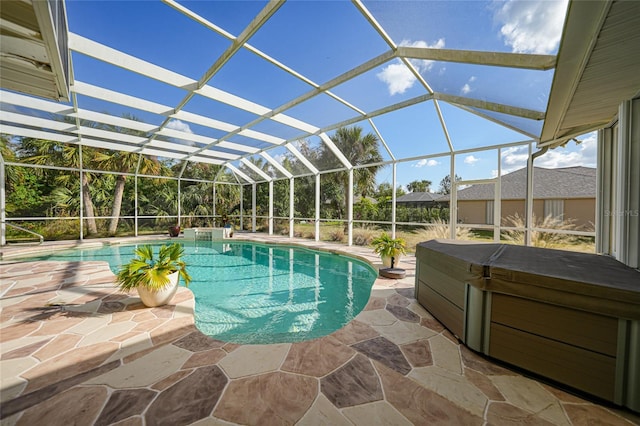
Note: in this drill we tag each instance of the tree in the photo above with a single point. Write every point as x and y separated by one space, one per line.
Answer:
359 149
445 184
384 192
419 186
124 162
40 151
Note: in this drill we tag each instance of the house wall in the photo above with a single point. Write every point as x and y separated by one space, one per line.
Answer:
581 211
512 207
472 211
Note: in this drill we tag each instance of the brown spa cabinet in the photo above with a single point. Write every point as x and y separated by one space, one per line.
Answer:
571 317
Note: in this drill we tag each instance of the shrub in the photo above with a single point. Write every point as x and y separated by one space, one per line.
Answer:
362 237
336 235
540 238
439 229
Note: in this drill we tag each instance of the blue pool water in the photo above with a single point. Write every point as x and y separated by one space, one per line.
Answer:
256 293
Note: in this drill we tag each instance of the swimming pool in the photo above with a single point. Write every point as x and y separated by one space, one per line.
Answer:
248 292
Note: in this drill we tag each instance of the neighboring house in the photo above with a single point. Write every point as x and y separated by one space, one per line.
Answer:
566 194
419 200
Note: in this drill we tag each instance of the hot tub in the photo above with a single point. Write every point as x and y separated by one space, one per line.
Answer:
571 317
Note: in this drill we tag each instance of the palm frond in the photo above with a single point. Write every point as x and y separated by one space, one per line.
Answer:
151 272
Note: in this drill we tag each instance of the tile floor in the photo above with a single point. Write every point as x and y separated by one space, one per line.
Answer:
74 350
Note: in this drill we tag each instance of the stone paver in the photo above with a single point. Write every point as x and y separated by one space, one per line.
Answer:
68 335
456 388
268 399
323 412
352 384
380 412
254 359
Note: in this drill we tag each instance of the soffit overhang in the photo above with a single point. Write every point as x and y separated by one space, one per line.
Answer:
598 67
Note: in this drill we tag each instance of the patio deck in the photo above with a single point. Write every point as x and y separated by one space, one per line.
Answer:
77 351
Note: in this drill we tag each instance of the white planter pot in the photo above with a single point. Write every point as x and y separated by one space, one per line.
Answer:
161 297
386 261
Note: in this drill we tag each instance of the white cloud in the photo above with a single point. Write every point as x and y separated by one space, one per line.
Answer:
584 154
426 162
179 125
513 158
467 87
470 159
398 77
531 26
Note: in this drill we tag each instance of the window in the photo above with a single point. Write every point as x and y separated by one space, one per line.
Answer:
554 208
489 216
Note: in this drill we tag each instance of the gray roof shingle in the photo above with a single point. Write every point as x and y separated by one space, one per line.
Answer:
562 183
418 197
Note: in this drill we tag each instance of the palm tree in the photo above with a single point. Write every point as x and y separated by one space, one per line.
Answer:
419 186
13 175
46 151
124 162
359 149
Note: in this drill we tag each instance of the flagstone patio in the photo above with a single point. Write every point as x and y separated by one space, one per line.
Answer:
77 351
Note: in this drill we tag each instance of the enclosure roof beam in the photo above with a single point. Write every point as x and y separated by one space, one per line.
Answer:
256 169
276 164
237 172
499 59
490 106
302 158
336 151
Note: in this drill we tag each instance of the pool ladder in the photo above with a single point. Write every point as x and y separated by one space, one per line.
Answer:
25 230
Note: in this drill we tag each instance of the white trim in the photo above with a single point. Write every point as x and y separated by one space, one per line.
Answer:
235 170
256 169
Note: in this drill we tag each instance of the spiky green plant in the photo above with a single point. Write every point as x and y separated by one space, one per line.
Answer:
153 272
386 246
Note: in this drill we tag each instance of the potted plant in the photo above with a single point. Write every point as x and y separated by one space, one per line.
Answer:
389 248
174 231
155 278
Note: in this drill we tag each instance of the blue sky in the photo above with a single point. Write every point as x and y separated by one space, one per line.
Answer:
325 39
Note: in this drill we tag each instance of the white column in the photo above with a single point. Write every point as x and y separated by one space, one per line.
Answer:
271 207
528 220
253 207
453 199
82 199
213 197
291 206
3 203
241 205
394 184
135 204
179 202
350 210
627 203
497 201
605 192
317 224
